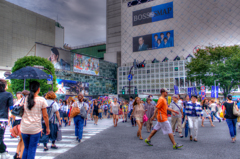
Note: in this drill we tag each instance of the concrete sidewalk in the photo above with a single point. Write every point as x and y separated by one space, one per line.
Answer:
122 142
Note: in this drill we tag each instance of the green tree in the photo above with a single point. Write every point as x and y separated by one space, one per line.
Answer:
216 63
10 88
18 85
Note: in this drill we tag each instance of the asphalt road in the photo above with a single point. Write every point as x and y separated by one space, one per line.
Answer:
122 143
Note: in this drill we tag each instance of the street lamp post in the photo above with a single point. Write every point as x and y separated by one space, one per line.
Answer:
42 67
215 90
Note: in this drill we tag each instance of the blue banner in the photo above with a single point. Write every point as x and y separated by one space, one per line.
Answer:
153 14
195 91
176 89
213 92
189 92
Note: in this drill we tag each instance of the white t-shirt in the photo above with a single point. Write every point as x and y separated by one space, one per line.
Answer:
213 107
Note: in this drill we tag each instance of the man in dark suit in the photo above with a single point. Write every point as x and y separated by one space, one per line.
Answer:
170 39
142 46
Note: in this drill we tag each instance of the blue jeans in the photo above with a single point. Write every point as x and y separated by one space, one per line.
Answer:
100 115
232 127
30 144
214 114
78 120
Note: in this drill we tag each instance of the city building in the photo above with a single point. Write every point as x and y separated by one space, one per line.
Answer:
171 32
96 50
20 29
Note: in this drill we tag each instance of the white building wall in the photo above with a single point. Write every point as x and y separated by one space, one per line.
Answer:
19 30
59 37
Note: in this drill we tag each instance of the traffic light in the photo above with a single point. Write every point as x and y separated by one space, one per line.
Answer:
123 90
135 90
141 65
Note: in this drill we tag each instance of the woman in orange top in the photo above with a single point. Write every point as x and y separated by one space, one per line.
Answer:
138 112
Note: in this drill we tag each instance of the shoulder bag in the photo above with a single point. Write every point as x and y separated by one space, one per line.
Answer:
235 112
75 111
18 110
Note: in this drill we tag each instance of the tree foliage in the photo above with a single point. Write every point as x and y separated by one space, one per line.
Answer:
18 85
216 63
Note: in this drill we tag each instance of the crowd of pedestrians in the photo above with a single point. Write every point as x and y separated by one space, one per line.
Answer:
44 116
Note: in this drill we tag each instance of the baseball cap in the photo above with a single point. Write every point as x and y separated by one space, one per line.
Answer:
164 90
175 96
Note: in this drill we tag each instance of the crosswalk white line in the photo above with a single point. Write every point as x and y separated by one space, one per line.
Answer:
68 141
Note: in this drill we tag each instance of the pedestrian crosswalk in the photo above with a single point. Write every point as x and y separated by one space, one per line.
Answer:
68 140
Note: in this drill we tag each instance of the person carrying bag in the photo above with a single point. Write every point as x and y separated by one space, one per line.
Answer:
79 107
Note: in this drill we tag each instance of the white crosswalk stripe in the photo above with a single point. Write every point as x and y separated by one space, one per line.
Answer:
68 141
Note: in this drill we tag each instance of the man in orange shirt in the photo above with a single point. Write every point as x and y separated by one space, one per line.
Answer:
163 123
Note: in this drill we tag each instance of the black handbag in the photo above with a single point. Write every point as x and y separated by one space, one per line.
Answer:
18 110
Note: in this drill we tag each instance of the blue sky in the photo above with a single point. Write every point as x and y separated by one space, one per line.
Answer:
84 21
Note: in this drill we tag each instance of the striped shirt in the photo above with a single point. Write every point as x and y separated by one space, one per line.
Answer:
193 109
32 119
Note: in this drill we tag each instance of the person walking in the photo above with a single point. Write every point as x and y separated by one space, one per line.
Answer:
52 110
231 119
105 109
6 100
115 107
187 99
100 110
176 118
130 109
138 112
163 123
79 120
149 108
214 108
125 111
206 112
95 113
31 124
65 112
20 102
192 112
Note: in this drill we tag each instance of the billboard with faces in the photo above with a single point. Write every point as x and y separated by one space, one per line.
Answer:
60 58
68 87
153 41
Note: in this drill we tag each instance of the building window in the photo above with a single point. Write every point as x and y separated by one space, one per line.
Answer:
148 71
124 73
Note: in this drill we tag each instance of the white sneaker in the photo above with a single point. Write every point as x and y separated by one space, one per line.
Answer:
5 155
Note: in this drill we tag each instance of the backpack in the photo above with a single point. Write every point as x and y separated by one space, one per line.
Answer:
49 110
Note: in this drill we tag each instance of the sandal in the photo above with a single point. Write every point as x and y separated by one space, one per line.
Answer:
202 125
45 149
195 140
140 138
212 126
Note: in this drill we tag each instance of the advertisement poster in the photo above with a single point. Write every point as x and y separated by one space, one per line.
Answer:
153 14
153 41
68 87
86 65
60 58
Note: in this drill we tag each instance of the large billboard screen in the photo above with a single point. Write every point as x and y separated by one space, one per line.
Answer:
86 65
153 14
153 41
68 87
60 58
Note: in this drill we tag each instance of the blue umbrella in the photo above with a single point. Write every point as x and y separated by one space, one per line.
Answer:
28 73
186 128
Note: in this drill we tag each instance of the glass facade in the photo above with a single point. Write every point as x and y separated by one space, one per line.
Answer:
155 76
105 83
